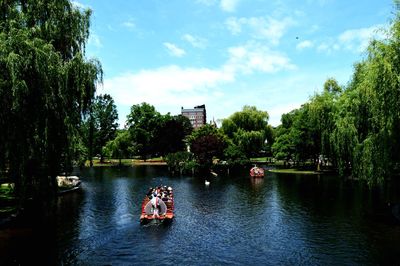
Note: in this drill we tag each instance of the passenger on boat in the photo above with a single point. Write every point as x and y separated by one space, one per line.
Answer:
155 204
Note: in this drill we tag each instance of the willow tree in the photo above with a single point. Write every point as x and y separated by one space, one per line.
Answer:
248 129
46 84
372 117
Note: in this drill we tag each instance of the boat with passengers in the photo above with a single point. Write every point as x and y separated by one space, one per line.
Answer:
158 205
67 184
256 171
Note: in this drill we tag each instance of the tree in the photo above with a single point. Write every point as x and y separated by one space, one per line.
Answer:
101 125
323 108
248 129
170 136
143 123
358 127
46 84
206 143
120 147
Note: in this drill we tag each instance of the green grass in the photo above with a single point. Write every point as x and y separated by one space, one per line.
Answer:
293 171
124 162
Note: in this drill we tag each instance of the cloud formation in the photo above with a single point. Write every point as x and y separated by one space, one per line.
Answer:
264 28
358 39
229 5
304 44
172 86
254 56
174 50
195 41
354 40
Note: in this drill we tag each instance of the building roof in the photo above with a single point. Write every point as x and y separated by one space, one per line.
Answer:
193 110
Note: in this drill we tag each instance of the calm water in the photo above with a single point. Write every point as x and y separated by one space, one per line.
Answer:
281 219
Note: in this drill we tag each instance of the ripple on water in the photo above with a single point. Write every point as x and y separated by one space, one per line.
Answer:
237 221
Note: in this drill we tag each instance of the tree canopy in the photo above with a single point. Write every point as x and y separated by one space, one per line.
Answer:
46 84
154 134
100 125
248 129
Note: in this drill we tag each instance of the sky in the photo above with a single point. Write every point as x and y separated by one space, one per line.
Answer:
272 54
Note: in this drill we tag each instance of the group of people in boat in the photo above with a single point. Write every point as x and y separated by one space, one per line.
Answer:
257 171
156 194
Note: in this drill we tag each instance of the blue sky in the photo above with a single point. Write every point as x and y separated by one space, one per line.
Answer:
225 54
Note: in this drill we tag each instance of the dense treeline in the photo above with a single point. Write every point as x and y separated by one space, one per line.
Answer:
356 128
148 134
46 85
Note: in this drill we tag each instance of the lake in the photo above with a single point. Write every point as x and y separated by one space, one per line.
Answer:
280 219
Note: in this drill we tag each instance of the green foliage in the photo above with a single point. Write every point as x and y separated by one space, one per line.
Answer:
181 162
297 139
206 143
143 123
234 156
46 84
120 147
332 87
100 125
170 136
154 134
357 127
250 142
248 129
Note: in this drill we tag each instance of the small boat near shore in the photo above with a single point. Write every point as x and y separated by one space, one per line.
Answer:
68 184
256 172
158 205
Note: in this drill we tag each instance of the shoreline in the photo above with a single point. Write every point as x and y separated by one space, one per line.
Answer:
294 171
126 162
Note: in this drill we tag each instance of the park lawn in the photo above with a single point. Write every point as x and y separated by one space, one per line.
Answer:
126 162
294 171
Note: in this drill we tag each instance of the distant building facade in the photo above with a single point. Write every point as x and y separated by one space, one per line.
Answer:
197 115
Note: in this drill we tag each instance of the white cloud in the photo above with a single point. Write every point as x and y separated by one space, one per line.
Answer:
225 5
354 40
254 56
229 5
129 24
269 28
195 41
172 86
304 44
206 2
174 50
165 86
234 25
358 39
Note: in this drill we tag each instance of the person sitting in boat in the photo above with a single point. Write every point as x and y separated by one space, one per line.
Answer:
164 196
155 202
255 169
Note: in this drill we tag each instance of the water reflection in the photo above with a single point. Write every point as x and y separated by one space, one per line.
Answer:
280 219
256 182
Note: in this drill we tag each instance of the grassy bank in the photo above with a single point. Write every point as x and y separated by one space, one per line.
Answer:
294 171
126 162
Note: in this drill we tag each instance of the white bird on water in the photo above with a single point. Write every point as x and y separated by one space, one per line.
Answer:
207 182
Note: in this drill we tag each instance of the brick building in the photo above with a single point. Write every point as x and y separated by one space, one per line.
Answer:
197 115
